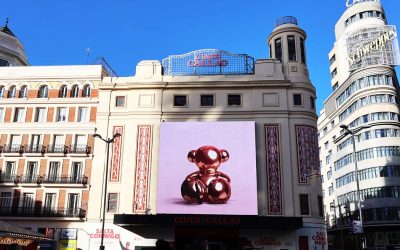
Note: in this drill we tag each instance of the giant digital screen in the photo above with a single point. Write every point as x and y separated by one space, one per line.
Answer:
207 168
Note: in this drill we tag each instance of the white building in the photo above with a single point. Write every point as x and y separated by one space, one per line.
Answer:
365 99
263 108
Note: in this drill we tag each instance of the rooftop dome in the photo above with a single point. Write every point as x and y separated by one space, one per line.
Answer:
6 30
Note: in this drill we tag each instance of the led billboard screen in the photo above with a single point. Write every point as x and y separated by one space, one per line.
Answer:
207 168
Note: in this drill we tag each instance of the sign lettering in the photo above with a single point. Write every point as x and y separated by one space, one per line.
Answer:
207 60
352 2
374 45
320 238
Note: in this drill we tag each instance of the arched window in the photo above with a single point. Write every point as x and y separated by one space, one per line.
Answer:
86 91
75 91
43 92
12 92
2 89
63 91
23 92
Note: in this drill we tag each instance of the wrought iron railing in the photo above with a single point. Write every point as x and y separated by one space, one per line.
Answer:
285 20
42 212
39 179
55 148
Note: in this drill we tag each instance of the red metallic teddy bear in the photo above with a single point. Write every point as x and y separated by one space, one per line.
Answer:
207 184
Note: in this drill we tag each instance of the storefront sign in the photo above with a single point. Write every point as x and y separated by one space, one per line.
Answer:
67 245
197 220
68 233
207 60
376 44
320 238
108 234
352 2
267 241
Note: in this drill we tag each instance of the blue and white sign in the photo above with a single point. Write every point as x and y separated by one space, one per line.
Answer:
208 62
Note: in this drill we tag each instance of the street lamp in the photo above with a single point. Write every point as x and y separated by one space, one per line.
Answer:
108 142
352 132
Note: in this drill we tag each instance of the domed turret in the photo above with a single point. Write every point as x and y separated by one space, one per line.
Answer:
12 51
287 44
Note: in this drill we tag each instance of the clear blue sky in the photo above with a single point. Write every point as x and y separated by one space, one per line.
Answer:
128 31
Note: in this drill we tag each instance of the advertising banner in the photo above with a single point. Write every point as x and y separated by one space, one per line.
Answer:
372 46
67 245
207 168
115 238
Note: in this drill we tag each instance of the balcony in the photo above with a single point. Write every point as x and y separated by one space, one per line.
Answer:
42 212
49 149
45 179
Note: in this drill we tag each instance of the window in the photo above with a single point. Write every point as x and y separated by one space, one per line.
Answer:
120 101
58 143
332 59
278 49
86 91
2 90
291 48
73 204
63 91
15 142
80 143
83 115
335 86
27 204
75 91
49 203
61 115
312 102
43 92
35 143
5 203
1 114
334 73
112 202
40 115
19 115
297 100
54 168
207 100
4 63
76 172
234 100
23 92
180 100
9 171
31 170
304 206
320 206
302 50
12 92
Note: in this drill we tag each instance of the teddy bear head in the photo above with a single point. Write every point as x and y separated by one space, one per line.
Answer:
208 157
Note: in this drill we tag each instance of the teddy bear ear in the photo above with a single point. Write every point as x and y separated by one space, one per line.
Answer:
191 156
224 155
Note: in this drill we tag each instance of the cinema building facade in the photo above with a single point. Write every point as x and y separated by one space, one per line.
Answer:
216 149
365 101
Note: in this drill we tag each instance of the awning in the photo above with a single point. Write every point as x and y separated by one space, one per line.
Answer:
12 234
136 222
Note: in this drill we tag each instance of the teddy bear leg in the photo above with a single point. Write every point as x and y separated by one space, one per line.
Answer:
193 191
219 191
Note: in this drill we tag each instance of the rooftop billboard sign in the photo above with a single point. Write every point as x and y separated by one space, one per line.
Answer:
352 2
373 45
208 62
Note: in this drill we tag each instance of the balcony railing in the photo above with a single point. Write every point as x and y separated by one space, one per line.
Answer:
42 149
42 212
39 179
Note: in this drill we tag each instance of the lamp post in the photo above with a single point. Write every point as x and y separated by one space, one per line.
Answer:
108 142
352 132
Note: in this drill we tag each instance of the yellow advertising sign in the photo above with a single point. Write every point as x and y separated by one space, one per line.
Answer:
67 245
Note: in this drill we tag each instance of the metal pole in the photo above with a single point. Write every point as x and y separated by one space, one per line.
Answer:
358 187
102 247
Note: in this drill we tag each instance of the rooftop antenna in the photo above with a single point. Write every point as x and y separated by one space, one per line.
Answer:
88 53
